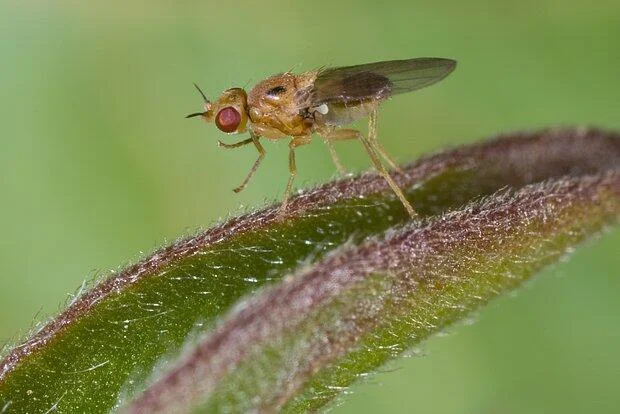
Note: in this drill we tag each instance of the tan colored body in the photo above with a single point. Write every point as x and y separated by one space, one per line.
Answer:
321 102
278 107
276 116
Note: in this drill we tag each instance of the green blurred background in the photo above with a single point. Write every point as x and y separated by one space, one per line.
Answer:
97 163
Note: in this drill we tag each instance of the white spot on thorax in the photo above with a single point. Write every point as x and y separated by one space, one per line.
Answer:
322 109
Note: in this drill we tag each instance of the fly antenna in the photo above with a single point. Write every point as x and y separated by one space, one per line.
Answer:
202 93
195 114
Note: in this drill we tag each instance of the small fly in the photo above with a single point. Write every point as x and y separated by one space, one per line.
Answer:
321 102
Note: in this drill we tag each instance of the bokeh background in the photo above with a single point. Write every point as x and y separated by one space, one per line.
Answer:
98 165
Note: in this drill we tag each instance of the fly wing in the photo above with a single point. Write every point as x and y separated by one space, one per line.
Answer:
378 80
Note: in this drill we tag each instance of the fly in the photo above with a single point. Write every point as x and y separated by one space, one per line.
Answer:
321 102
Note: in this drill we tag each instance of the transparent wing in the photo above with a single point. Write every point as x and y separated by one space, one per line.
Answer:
378 80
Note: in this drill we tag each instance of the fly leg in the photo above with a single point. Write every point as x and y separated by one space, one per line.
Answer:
369 146
292 167
335 158
372 153
329 136
261 154
235 145
372 137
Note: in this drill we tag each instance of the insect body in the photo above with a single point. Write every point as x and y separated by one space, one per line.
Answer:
321 102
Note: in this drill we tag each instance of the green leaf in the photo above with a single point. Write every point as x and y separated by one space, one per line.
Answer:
386 284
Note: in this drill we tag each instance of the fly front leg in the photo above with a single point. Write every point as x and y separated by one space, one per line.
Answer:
329 136
236 144
261 154
372 137
292 167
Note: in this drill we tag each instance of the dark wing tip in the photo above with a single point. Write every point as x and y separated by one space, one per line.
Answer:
447 66
451 65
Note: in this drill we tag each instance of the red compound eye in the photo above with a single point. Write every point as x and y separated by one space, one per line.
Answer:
228 119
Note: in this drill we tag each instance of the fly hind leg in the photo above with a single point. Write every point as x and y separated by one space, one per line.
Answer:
292 167
374 157
372 151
